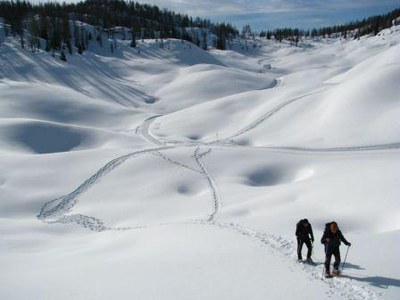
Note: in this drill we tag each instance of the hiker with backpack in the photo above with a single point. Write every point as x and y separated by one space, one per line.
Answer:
331 239
304 234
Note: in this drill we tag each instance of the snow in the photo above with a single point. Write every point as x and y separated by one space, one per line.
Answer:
177 173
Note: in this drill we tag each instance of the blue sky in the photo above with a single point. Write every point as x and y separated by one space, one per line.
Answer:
269 14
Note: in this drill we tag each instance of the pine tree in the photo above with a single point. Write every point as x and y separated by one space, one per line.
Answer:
62 56
204 37
66 34
133 41
22 41
100 36
33 29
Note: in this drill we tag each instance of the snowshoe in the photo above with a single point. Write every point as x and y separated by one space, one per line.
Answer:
336 273
310 261
328 275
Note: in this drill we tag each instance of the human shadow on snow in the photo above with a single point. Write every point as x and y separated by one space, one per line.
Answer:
377 281
348 265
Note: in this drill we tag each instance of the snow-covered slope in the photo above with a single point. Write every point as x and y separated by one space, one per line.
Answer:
174 173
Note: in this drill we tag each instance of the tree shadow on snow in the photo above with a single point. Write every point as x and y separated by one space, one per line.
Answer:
377 281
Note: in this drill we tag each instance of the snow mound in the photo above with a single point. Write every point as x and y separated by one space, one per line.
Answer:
46 137
201 83
358 107
179 52
271 175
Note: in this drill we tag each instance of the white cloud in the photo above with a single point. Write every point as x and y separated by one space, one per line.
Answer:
217 8
275 13
224 7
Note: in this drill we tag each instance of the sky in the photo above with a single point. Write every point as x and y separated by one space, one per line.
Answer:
270 14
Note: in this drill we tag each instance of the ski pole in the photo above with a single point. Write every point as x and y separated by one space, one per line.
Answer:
348 247
312 248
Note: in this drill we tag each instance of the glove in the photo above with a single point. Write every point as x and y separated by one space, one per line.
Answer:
312 240
349 244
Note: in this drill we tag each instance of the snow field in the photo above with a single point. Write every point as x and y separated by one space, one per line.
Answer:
180 174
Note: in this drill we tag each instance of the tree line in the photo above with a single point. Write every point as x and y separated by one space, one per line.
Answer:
59 25
51 21
367 26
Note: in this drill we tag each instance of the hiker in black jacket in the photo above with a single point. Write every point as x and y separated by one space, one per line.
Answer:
304 235
331 239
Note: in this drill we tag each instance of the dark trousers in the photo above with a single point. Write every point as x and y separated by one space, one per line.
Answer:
328 256
300 243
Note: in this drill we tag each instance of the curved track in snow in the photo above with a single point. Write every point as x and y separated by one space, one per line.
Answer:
59 210
144 130
55 211
287 249
211 182
391 146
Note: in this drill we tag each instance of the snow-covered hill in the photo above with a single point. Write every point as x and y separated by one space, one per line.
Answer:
176 173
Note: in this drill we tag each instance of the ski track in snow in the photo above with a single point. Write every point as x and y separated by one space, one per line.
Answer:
56 210
211 182
391 146
344 287
270 113
144 131
166 158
